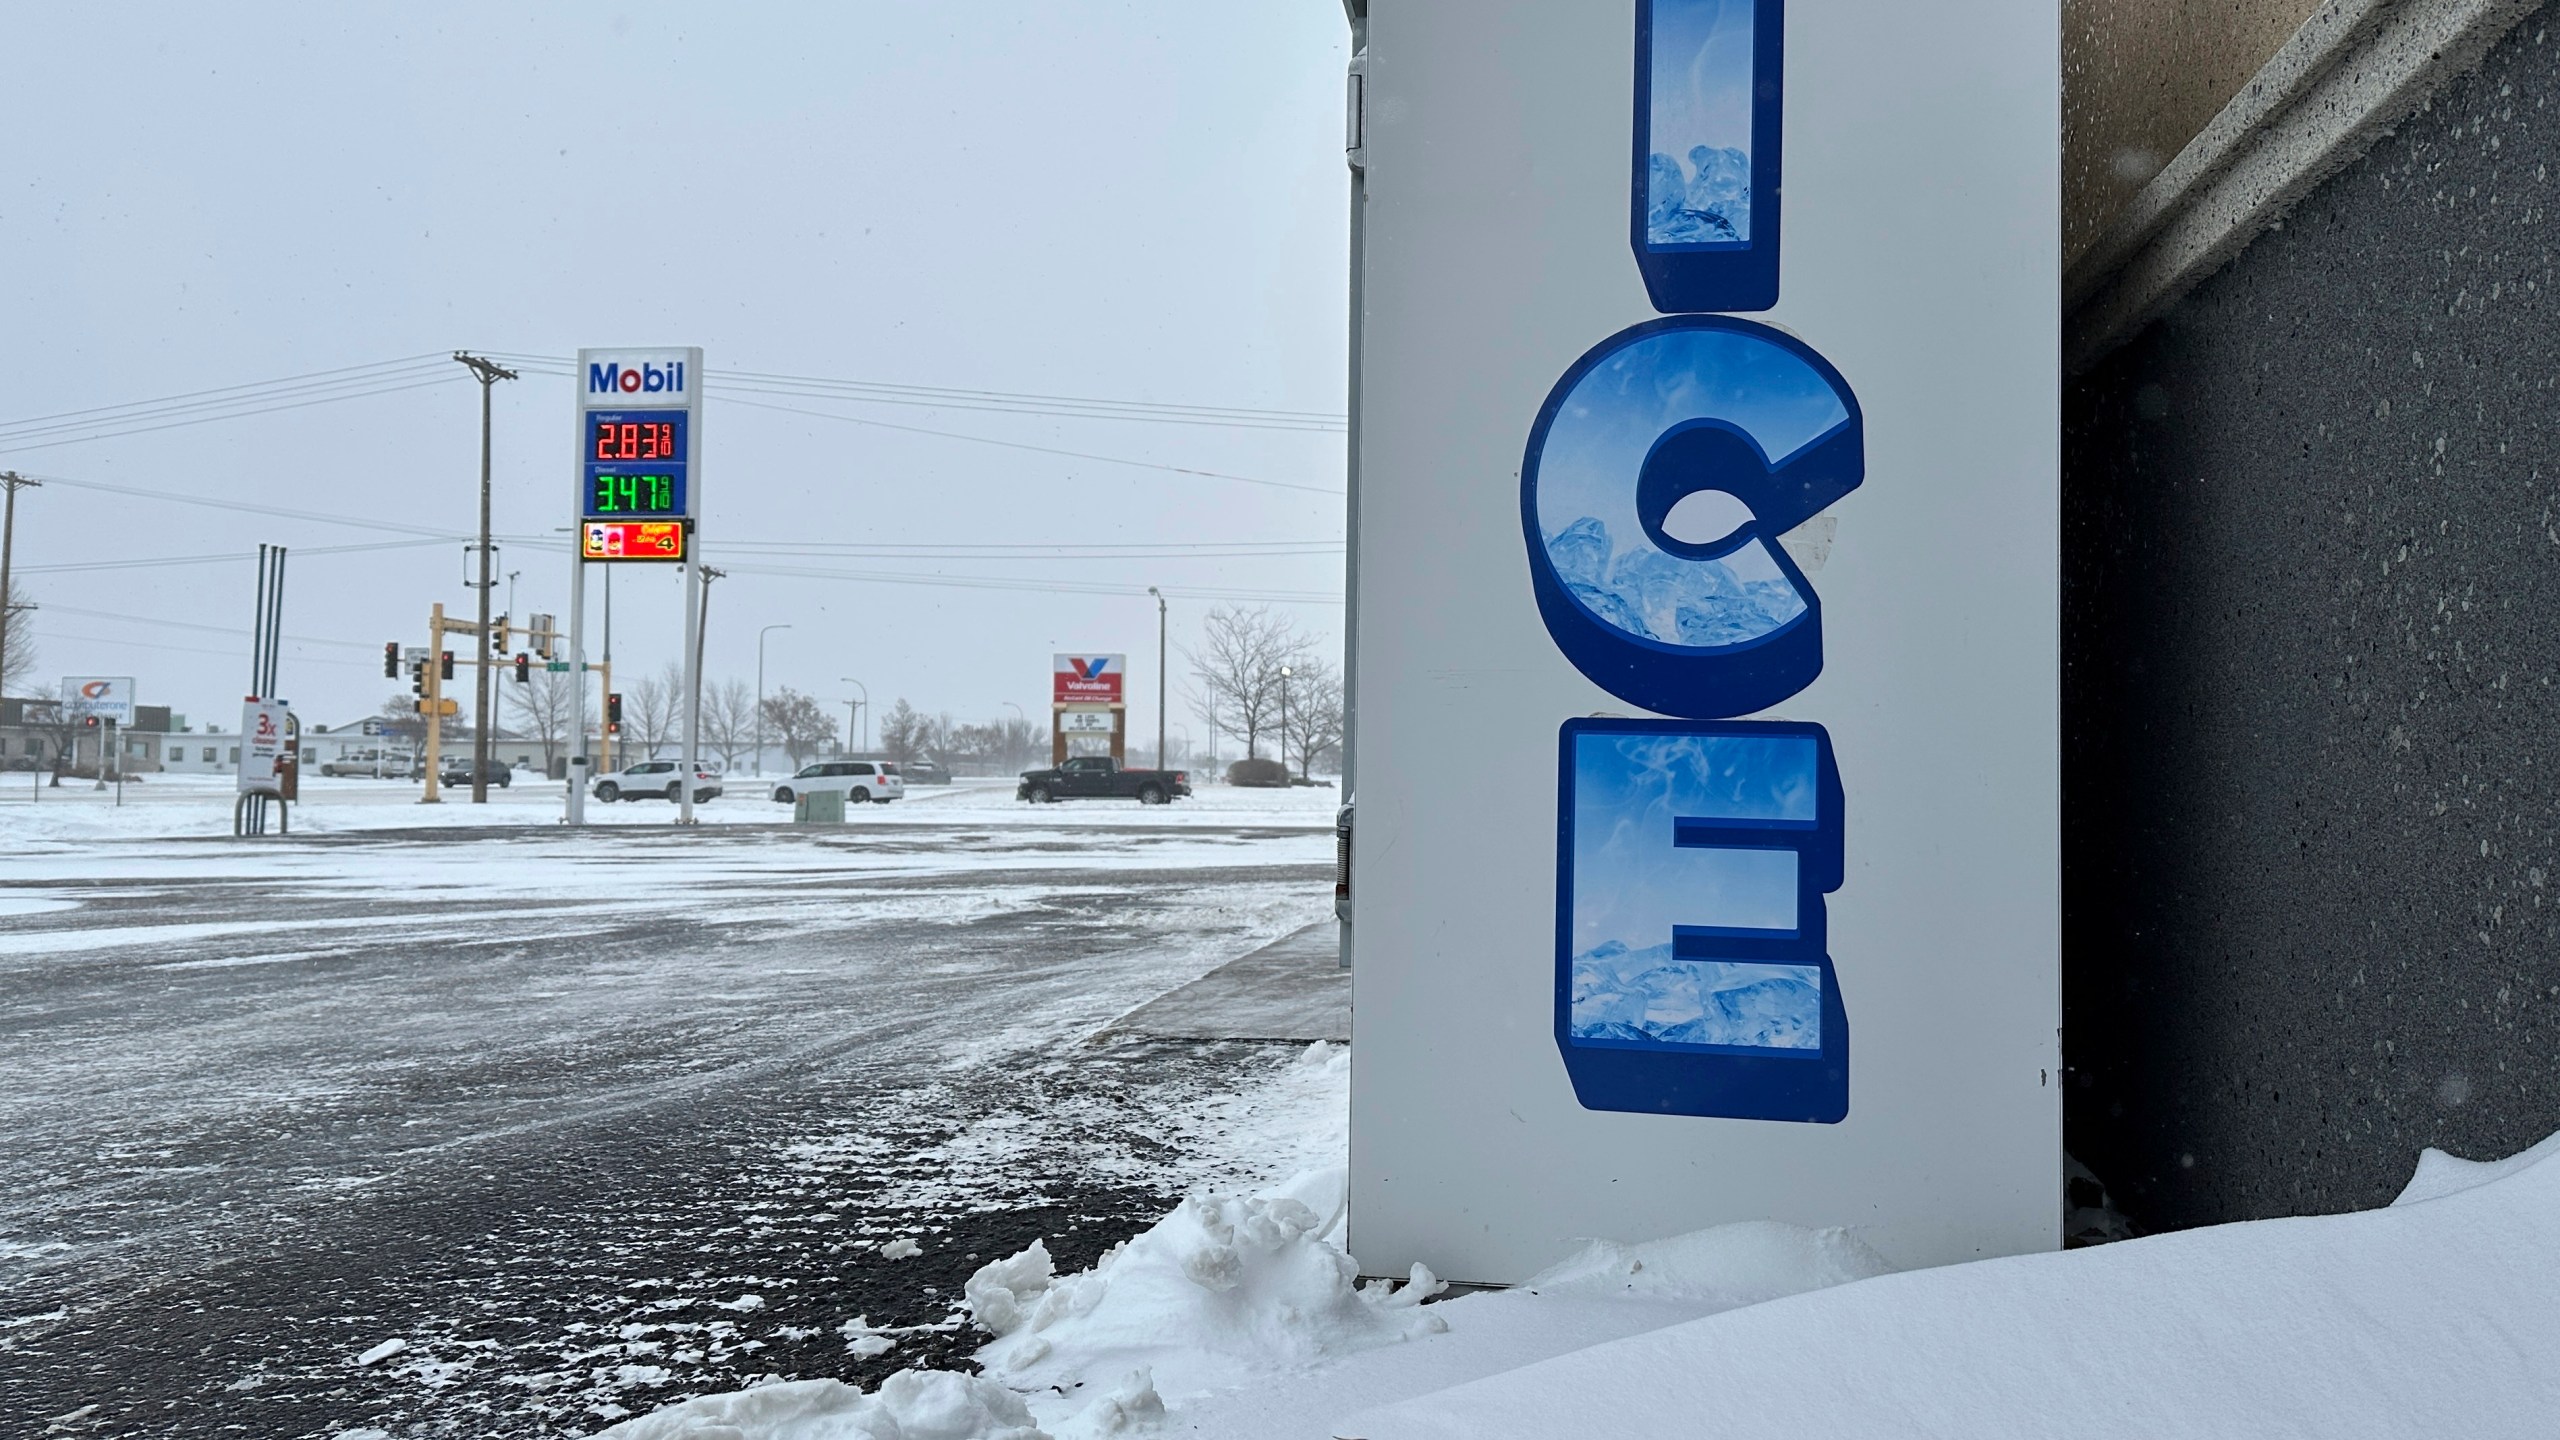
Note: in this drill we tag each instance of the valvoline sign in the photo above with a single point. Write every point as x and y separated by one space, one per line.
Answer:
663 377
1086 679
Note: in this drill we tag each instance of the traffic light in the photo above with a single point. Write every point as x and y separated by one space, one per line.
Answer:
612 714
391 661
498 640
524 669
91 721
418 678
446 671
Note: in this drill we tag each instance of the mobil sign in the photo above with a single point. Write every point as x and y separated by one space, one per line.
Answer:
1086 679
619 377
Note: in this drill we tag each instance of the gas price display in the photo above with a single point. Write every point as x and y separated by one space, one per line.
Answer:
635 465
633 439
615 495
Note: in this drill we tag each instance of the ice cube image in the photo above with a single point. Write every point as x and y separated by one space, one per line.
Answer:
1636 888
1621 994
1699 111
1596 445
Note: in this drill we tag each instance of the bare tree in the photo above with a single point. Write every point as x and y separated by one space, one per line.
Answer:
539 708
800 723
904 731
1235 670
1311 724
60 725
650 712
729 720
17 640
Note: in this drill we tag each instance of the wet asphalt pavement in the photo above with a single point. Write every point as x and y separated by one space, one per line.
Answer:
555 1160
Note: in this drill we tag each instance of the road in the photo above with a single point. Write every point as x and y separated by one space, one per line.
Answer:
583 1123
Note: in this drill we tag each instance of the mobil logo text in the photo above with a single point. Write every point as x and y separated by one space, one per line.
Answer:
609 378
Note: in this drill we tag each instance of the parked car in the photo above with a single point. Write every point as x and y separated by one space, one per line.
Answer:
360 762
1099 777
656 780
457 773
924 772
860 781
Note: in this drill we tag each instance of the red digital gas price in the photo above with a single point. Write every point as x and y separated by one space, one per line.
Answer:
613 439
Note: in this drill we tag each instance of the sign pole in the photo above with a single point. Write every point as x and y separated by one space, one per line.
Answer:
577 812
692 673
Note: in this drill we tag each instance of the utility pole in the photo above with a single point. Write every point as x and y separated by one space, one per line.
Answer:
701 626
489 374
1160 760
13 482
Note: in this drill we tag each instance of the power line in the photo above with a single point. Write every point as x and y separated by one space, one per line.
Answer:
242 557
192 625
1049 587
1083 407
142 418
248 507
1036 449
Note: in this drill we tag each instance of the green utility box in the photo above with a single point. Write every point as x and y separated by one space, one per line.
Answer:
823 808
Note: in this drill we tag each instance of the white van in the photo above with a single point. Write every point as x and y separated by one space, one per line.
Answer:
860 781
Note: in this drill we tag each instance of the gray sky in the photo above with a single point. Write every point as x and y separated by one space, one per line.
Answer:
1133 201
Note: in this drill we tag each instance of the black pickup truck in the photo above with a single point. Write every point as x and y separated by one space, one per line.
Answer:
1099 777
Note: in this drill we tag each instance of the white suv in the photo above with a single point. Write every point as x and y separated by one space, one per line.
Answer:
655 779
859 780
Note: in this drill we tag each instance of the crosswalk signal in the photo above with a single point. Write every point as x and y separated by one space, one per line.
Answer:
391 661
524 669
447 669
612 714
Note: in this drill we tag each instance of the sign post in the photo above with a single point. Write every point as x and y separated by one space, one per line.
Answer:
639 416
1743 901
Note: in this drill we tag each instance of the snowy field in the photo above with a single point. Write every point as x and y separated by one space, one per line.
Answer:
174 806
575 1122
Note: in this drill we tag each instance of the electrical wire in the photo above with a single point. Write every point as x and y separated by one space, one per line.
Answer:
1082 407
234 402
1036 449
1048 587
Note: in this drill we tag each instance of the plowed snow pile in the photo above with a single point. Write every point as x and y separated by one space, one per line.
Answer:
1238 1317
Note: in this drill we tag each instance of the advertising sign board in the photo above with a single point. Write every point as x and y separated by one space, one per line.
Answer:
1075 679
1744 901
266 726
105 698
1085 722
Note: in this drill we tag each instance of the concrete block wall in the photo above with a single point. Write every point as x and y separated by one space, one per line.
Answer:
2312 686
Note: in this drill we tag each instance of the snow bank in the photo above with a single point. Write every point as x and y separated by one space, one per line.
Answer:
1223 1289
1730 1265
910 1405
2432 1317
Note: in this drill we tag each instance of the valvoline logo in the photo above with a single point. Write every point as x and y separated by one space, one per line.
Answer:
610 378
1089 667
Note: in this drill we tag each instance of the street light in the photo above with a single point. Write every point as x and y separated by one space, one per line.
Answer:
866 708
608 575
1159 676
1010 753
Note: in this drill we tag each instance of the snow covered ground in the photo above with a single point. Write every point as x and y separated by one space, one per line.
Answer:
173 806
1236 1317
584 1120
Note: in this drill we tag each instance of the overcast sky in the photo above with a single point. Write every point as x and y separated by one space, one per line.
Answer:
1140 202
